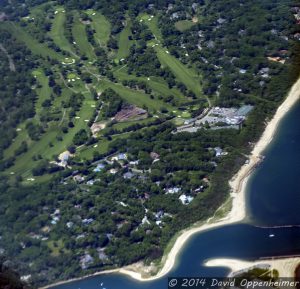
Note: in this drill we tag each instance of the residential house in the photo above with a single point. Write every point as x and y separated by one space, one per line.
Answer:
86 260
128 175
99 168
78 178
173 190
87 221
185 200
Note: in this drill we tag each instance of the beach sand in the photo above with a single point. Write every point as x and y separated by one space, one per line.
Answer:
238 190
285 266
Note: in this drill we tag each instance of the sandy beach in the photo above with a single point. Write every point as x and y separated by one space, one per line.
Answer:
238 211
285 266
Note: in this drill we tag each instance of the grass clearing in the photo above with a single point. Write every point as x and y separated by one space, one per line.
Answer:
56 247
184 25
102 28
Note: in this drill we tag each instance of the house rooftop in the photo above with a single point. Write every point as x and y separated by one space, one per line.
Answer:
185 200
128 175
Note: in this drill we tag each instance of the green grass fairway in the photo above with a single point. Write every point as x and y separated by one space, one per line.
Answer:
156 84
35 46
163 89
185 114
152 22
184 25
184 74
24 162
21 136
81 39
87 152
102 28
38 10
101 147
44 92
69 71
135 97
57 32
125 124
124 43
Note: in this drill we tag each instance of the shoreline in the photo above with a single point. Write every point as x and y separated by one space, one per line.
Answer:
238 196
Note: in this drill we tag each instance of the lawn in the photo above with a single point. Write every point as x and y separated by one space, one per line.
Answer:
57 32
81 39
102 28
184 25
56 247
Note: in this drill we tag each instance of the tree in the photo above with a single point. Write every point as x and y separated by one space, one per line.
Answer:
80 137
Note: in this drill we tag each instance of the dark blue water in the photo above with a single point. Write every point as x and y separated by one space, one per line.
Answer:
274 199
274 189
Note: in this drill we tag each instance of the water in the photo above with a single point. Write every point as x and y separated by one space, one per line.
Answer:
274 199
274 189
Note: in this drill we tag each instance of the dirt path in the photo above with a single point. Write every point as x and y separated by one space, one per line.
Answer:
63 117
66 84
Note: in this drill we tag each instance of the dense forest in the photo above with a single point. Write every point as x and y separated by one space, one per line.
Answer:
9 279
94 171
